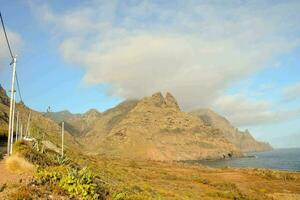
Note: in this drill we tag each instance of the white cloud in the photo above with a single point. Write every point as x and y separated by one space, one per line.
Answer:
15 42
242 111
194 49
292 92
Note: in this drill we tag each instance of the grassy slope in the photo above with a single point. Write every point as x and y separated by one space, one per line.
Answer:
162 180
129 179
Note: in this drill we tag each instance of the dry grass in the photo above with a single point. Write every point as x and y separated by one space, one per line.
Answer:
18 164
136 179
128 179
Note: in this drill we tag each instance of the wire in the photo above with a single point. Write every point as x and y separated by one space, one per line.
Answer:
11 54
19 87
7 41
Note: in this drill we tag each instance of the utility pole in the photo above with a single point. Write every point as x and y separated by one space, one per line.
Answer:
13 123
62 138
21 131
14 61
28 120
17 128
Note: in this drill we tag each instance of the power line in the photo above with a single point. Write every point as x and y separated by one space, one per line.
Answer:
18 86
11 54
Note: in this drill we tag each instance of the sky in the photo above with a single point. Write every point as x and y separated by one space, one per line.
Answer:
239 58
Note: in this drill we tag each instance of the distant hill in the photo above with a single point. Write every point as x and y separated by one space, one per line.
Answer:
242 140
77 124
41 127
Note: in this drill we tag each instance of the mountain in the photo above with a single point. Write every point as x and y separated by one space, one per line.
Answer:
156 128
77 124
152 128
241 139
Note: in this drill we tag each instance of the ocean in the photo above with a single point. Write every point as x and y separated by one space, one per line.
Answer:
280 159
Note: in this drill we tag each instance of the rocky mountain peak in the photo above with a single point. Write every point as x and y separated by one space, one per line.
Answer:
171 101
92 112
157 99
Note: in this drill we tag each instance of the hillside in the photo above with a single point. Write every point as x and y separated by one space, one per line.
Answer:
4 110
41 127
80 176
241 139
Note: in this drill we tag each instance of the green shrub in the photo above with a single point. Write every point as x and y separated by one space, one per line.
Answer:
119 196
82 183
77 183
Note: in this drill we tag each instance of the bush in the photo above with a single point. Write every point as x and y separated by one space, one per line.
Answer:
18 164
77 183
24 149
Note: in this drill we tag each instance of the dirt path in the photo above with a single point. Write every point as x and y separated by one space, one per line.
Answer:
10 178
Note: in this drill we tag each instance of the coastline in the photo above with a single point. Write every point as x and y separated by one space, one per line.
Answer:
286 159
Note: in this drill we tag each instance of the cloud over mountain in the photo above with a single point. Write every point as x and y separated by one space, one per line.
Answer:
15 41
193 49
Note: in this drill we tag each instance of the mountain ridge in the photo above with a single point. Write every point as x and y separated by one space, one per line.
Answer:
242 139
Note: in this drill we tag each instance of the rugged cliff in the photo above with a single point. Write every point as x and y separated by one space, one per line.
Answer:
241 139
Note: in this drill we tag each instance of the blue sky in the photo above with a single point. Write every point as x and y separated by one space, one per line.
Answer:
240 58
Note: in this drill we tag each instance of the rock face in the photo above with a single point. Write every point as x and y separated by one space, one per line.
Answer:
242 140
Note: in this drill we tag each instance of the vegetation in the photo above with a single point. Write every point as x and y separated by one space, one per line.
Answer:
77 183
125 179
55 175
18 164
30 152
274 174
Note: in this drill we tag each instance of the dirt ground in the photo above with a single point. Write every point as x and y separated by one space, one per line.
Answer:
8 180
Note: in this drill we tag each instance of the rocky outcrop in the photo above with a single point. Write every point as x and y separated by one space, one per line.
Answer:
171 101
242 140
249 144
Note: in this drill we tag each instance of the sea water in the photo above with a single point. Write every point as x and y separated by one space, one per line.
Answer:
281 159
